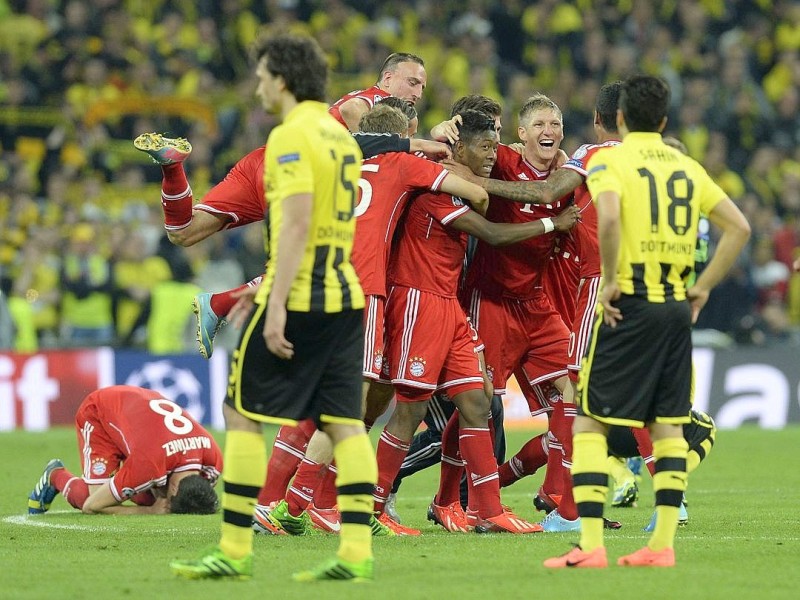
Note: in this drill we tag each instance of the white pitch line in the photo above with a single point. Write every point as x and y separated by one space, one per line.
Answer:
38 521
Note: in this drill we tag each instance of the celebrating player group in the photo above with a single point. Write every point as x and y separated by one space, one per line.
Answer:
431 272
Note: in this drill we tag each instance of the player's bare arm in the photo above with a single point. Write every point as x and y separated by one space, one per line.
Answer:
735 233
352 110
503 234
475 194
546 191
102 501
431 149
292 240
202 225
609 231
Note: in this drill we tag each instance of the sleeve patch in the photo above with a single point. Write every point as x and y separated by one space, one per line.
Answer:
287 158
596 169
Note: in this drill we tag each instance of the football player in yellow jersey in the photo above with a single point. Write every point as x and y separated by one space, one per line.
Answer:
637 371
300 354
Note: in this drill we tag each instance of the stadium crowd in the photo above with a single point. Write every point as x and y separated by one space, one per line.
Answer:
83 255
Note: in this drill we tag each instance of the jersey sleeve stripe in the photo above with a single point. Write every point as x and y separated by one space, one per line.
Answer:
454 215
438 181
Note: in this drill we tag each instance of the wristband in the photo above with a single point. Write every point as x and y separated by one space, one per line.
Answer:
548 224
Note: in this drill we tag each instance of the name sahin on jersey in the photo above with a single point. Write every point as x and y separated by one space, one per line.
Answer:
186 444
658 154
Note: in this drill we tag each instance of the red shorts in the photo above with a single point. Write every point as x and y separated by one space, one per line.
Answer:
373 337
528 333
429 345
100 457
239 197
540 397
588 290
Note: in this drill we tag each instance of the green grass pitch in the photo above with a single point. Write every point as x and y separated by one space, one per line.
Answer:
742 540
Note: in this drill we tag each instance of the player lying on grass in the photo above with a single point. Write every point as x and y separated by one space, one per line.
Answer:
134 445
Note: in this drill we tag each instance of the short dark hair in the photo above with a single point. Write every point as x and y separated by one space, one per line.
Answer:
477 102
394 59
299 60
644 102
383 118
607 104
195 496
474 123
404 106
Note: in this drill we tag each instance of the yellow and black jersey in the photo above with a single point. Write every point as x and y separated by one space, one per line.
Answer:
662 194
311 153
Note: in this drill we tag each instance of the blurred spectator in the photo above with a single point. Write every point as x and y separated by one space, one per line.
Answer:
38 282
87 317
78 80
168 316
770 276
136 274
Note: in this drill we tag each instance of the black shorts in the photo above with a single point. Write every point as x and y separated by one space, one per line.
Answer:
621 442
322 379
640 371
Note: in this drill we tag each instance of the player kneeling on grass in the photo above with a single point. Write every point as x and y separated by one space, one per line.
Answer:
135 445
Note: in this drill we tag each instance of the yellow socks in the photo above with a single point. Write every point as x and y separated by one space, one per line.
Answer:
669 483
355 482
590 485
245 463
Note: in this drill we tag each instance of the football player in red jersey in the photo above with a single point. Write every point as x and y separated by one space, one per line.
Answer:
429 341
505 294
401 75
571 281
135 445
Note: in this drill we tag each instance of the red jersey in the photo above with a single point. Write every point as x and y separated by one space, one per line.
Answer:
152 436
388 182
563 274
371 96
240 196
427 255
513 271
585 232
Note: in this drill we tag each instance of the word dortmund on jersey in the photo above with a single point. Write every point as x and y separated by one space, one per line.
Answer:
311 153
662 193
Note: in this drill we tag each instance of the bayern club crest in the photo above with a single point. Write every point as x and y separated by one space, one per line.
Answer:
417 366
378 361
99 466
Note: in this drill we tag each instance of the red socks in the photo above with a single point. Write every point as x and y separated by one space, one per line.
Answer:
287 452
301 492
176 197
530 458
645 444
390 455
476 448
452 465
325 494
74 489
222 302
